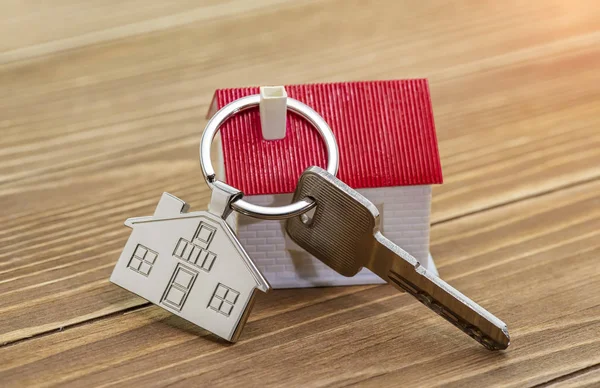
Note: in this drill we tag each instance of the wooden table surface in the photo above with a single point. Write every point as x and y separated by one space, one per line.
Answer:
102 104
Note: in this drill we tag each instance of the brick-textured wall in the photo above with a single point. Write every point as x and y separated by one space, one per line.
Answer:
405 218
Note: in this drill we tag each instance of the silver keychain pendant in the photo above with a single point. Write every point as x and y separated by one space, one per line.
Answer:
191 263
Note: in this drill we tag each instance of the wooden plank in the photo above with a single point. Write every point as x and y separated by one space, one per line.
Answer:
97 22
514 260
589 377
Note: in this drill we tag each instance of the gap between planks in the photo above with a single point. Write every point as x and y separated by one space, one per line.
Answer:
520 199
569 376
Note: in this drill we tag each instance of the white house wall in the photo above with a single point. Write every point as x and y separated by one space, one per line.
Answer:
405 214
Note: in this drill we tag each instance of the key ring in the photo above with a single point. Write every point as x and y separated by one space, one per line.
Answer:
247 208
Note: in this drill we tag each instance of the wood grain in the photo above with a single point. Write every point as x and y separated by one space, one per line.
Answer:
371 336
101 109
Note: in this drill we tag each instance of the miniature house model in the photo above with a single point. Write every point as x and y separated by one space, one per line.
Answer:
388 152
191 265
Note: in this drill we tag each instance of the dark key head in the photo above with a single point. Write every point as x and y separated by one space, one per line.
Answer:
340 233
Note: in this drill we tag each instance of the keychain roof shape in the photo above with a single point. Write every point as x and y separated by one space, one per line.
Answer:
388 152
384 129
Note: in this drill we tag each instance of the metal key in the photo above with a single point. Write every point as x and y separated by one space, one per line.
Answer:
344 234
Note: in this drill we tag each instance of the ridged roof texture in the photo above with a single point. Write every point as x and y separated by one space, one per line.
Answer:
384 129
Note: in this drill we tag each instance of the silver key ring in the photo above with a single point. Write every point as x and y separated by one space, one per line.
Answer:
247 208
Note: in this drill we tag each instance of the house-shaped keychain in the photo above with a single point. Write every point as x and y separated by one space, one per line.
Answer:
191 264
388 152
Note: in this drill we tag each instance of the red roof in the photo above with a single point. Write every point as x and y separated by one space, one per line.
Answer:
384 129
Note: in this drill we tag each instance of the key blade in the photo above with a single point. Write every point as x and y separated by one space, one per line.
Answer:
445 300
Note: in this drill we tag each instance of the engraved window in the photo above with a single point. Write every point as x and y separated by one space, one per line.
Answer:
179 287
196 251
223 299
204 235
142 260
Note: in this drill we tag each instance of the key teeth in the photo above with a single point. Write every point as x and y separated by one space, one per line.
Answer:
498 345
505 331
